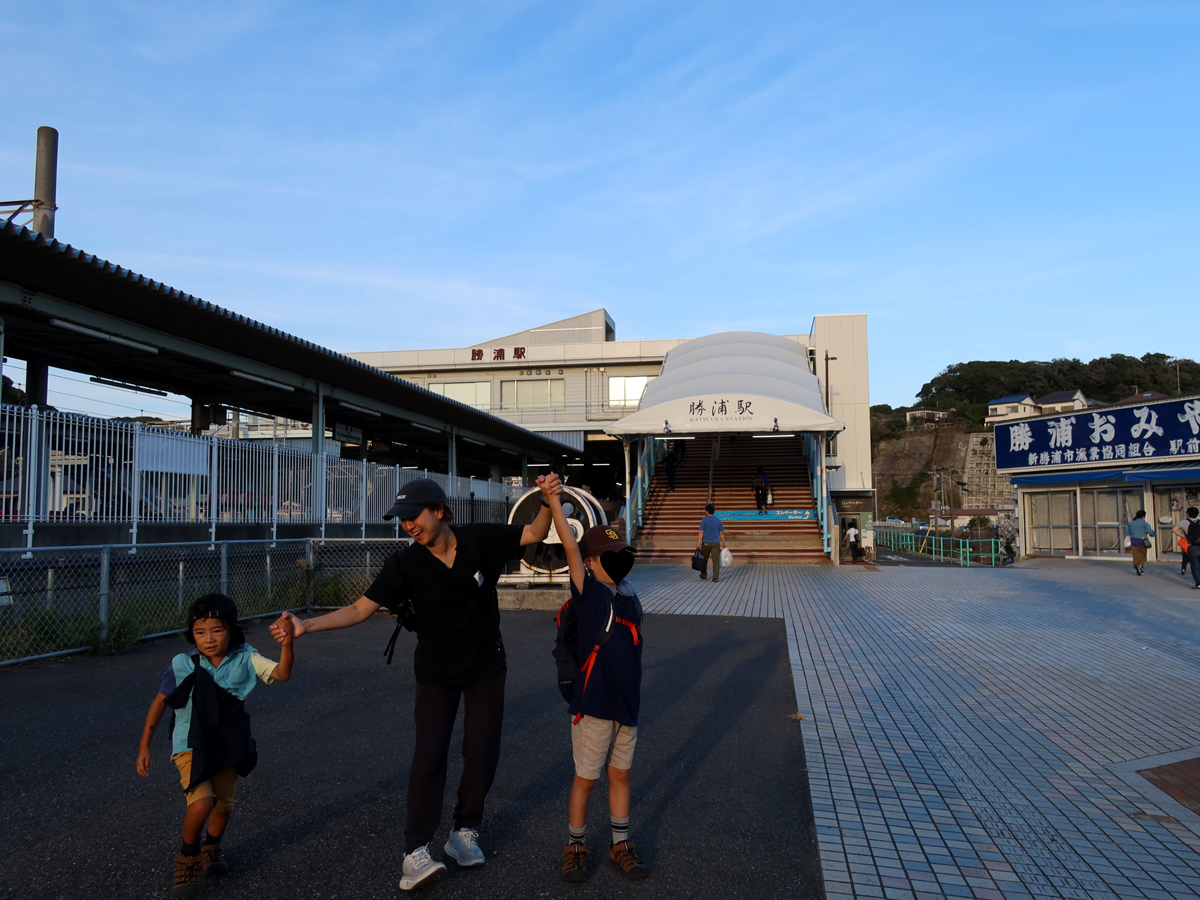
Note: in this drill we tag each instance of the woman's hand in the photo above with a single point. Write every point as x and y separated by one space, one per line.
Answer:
286 627
550 484
143 761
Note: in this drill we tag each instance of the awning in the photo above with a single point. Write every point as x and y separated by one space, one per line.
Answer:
736 381
1142 473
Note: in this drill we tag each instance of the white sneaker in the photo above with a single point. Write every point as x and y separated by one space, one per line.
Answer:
463 847
420 869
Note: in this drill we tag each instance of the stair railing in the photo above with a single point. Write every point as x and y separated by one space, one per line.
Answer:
712 465
640 489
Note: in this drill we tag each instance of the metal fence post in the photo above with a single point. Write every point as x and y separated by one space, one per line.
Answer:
308 575
105 593
32 457
225 568
212 493
275 492
136 488
362 509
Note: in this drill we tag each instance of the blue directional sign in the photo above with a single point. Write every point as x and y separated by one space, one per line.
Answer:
1158 431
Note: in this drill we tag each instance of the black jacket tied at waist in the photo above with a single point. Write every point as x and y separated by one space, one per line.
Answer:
219 734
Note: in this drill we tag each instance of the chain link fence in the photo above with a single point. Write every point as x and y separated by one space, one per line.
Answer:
57 600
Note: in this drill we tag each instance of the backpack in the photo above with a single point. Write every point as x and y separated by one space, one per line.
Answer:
757 483
1193 532
566 648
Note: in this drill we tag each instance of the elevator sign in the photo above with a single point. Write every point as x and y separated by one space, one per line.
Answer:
1154 432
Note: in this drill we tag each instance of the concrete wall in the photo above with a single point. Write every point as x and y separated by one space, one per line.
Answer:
845 336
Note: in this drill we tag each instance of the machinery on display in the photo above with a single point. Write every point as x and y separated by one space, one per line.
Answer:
545 562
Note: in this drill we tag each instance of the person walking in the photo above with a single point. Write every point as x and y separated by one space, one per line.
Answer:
670 464
1139 532
710 541
1181 540
1189 530
851 537
761 484
443 587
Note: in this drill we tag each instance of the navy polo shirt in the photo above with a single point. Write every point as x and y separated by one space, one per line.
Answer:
614 690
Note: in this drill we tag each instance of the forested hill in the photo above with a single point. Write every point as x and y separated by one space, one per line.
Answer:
970 385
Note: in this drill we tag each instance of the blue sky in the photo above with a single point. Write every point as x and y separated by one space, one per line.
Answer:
1012 180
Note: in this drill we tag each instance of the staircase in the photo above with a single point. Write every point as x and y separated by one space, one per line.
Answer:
672 520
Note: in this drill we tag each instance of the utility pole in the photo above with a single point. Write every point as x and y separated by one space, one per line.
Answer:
45 181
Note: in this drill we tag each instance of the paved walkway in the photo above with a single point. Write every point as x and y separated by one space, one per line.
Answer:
975 732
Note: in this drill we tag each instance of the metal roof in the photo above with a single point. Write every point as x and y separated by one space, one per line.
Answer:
732 382
64 273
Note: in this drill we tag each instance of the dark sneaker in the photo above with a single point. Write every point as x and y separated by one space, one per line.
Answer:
211 864
625 858
187 876
574 867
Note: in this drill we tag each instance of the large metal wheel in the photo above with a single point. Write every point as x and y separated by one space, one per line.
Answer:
583 511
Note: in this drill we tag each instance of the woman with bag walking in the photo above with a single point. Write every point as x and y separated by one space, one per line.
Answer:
1139 532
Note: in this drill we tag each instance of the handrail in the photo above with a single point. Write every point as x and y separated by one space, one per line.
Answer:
713 456
965 551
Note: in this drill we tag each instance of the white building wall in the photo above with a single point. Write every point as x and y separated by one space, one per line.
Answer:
845 336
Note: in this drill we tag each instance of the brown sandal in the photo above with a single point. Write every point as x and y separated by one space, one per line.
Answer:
625 858
187 876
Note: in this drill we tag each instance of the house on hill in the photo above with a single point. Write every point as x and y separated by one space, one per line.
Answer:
1143 397
926 416
1014 406
1062 401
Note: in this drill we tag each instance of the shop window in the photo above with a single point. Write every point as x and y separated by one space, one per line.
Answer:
472 393
536 394
627 390
1052 522
1103 516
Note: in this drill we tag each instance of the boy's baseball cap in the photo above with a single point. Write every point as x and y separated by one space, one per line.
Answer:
215 606
602 539
414 497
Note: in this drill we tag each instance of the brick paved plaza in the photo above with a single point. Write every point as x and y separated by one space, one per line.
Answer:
978 732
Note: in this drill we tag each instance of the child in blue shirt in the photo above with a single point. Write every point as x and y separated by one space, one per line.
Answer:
211 743
607 692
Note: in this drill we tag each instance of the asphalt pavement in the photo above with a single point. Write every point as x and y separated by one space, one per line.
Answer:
721 806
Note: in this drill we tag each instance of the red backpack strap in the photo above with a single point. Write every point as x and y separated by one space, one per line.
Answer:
633 629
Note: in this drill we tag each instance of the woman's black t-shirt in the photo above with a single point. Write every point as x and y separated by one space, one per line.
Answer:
454 611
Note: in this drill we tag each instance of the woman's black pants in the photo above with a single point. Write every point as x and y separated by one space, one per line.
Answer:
436 709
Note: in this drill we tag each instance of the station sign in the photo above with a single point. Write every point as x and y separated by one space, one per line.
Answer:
1153 432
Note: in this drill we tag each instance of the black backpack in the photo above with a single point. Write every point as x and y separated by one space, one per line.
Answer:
566 647
1193 532
757 483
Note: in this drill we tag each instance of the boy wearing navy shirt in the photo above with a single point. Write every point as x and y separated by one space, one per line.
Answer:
607 691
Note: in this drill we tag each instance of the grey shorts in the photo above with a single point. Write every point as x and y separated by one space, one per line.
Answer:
596 743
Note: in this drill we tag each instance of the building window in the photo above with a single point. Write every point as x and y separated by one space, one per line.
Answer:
1012 409
537 394
472 393
627 390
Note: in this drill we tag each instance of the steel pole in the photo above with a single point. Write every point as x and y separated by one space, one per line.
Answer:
45 181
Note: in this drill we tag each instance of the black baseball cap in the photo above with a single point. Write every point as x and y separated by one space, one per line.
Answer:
215 606
414 497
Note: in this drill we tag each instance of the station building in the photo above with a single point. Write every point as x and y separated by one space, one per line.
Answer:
1082 475
572 381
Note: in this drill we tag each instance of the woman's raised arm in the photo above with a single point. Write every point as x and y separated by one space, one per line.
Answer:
358 611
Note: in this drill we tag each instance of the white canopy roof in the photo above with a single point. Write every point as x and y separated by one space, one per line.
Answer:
735 381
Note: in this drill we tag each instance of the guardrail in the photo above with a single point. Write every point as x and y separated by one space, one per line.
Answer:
964 551
58 600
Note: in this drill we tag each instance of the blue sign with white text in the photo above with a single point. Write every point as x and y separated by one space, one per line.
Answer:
1161 430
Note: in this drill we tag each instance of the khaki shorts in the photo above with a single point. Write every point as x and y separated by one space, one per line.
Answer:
597 743
220 787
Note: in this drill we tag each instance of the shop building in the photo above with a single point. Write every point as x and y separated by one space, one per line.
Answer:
1081 477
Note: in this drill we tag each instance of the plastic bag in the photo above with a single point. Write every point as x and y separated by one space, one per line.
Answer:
726 557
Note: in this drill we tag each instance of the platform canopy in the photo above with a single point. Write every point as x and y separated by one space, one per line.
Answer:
736 381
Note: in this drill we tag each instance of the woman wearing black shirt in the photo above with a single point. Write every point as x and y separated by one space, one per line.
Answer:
443 587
